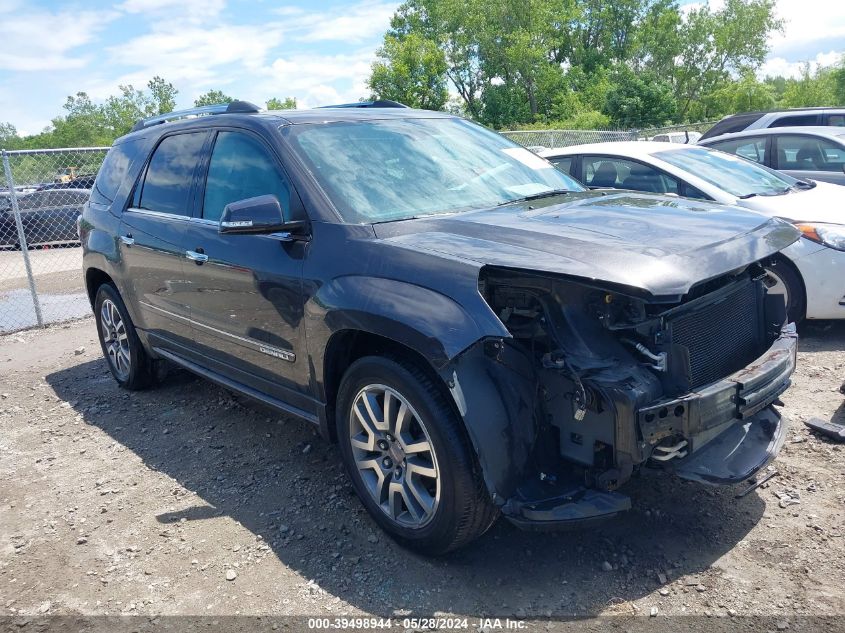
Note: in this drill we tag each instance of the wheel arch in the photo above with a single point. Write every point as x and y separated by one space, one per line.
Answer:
94 278
348 345
782 260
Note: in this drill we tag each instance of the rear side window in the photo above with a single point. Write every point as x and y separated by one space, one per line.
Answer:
167 183
113 171
241 168
748 147
796 119
808 153
836 120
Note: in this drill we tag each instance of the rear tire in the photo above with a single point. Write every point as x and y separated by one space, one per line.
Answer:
789 281
417 477
126 357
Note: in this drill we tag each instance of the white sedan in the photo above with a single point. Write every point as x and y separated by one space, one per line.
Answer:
810 272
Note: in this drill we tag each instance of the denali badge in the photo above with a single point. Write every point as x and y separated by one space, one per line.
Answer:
277 353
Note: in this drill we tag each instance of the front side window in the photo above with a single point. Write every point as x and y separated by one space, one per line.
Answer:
752 148
836 120
563 163
734 175
808 153
600 171
241 168
167 183
394 169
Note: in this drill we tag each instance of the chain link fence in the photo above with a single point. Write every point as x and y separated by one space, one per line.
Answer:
41 196
42 193
547 139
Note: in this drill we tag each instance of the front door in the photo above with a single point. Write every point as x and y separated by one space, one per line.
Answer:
245 292
811 157
151 234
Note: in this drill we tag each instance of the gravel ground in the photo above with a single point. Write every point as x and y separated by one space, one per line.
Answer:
186 500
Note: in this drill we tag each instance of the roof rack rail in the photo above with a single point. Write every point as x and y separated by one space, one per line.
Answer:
379 103
235 107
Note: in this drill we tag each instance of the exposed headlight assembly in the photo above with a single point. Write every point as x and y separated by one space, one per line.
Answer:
830 235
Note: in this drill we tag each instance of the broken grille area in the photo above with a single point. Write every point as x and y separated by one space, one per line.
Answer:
722 337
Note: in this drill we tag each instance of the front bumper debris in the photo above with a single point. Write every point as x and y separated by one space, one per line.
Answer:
699 417
738 452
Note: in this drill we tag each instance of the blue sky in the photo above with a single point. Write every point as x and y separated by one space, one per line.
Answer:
318 52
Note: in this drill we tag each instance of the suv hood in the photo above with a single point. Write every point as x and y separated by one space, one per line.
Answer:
659 244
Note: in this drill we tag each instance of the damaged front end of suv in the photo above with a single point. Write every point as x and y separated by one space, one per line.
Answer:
597 380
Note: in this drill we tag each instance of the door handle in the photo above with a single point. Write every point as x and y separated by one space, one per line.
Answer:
199 258
127 239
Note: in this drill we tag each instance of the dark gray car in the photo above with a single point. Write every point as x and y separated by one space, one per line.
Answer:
479 333
817 153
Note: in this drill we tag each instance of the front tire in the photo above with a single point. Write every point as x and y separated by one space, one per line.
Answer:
126 357
409 458
788 283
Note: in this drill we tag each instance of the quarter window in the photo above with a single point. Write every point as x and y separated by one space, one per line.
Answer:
114 169
167 183
807 153
241 168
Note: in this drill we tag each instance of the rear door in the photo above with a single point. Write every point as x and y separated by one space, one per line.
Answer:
805 156
151 233
245 293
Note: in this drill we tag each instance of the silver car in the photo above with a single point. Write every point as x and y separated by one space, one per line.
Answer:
817 153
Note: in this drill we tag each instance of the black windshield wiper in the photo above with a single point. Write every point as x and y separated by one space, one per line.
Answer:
748 195
805 184
537 196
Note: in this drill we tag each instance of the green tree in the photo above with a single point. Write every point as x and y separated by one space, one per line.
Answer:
162 97
714 44
813 88
9 138
639 100
212 97
412 70
288 103
745 94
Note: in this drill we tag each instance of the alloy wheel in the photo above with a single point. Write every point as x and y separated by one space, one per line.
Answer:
115 339
394 455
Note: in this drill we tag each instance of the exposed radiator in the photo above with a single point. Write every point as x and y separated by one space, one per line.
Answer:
722 337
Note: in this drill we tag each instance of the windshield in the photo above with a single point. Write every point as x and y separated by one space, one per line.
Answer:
394 169
735 175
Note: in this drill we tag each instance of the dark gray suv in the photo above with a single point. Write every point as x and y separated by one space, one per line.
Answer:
479 333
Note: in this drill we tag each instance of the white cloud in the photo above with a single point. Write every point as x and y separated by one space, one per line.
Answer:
352 24
39 40
808 22
320 79
195 10
778 66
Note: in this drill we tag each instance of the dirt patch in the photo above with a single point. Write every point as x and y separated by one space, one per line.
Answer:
185 500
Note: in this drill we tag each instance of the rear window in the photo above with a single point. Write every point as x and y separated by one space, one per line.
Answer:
113 171
736 123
